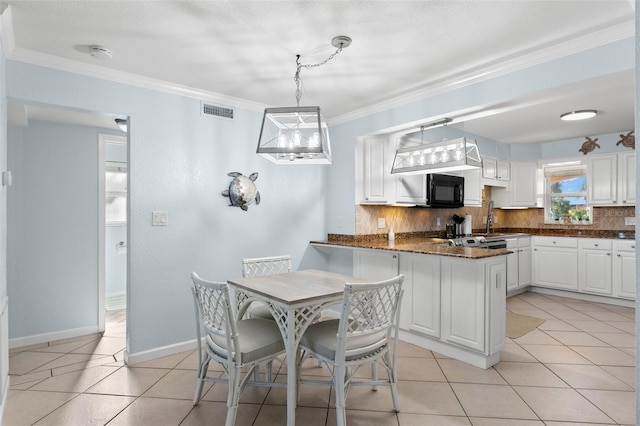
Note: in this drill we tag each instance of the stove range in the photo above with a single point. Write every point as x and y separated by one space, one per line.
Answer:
479 242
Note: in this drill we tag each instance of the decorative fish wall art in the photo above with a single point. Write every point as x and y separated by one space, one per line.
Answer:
242 190
589 145
628 140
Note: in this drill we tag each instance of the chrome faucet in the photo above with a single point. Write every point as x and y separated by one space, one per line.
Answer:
490 217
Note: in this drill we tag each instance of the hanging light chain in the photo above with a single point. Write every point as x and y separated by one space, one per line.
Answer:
297 78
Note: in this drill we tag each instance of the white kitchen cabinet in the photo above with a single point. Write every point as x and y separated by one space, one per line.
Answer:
379 186
472 187
471 290
595 265
521 190
627 178
555 262
375 265
420 309
495 171
518 263
374 171
612 179
624 269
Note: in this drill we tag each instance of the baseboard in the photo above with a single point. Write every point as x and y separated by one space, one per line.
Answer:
50 337
138 357
583 296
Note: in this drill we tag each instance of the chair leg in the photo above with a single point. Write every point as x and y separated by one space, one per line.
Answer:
233 395
256 373
268 376
374 375
341 415
201 374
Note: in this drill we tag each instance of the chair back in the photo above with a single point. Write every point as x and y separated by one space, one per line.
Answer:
370 315
214 315
252 267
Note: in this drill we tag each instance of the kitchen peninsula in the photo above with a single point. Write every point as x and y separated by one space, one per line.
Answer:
454 297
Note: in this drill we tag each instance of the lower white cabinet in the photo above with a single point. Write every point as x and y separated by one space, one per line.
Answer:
455 306
624 269
473 303
421 304
595 264
518 263
555 262
375 265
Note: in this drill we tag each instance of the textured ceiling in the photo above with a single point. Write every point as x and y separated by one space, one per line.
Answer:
246 50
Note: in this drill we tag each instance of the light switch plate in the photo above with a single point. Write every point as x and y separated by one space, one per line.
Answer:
159 218
630 220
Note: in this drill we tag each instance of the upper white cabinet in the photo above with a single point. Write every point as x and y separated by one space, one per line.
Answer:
521 190
472 187
611 179
379 186
495 171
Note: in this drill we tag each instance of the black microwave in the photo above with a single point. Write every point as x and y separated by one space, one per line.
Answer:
444 191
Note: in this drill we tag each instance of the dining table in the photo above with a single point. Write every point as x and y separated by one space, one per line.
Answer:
295 299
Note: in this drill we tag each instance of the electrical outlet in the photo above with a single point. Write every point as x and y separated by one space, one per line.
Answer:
381 224
495 219
437 221
630 220
484 219
159 219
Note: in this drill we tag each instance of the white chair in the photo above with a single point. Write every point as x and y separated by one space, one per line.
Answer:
236 345
252 267
366 333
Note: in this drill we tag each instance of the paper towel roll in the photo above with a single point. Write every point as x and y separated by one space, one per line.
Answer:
468 225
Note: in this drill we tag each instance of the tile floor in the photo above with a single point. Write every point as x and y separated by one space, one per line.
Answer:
576 368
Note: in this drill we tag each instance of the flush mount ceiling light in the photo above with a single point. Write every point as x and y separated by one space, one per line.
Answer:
446 156
299 134
122 124
579 115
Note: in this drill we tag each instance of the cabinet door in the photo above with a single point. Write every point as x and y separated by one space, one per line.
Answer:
489 168
627 178
555 267
374 171
502 170
602 180
375 265
523 184
410 189
624 269
463 303
596 271
472 187
524 266
420 309
496 282
512 264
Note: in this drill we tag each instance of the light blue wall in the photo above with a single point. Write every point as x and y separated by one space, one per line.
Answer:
178 163
52 237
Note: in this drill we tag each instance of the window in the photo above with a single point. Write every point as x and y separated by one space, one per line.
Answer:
116 193
566 194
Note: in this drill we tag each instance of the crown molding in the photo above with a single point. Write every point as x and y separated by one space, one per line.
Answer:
621 30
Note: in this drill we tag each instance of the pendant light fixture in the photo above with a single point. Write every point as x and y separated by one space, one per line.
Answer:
299 134
446 156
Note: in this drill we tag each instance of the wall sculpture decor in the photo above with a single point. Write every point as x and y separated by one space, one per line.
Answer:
628 140
589 145
242 190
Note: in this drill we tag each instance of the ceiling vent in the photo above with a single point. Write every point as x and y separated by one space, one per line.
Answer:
216 111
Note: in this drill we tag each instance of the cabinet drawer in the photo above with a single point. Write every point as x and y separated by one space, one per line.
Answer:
596 244
629 245
556 242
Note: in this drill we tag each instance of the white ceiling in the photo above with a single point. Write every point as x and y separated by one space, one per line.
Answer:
244 52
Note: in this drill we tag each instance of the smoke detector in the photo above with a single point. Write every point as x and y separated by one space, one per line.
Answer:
100 52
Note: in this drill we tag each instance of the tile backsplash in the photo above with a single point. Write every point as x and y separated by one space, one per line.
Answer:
417 219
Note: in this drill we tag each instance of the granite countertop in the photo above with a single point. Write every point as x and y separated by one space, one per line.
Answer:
421 245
